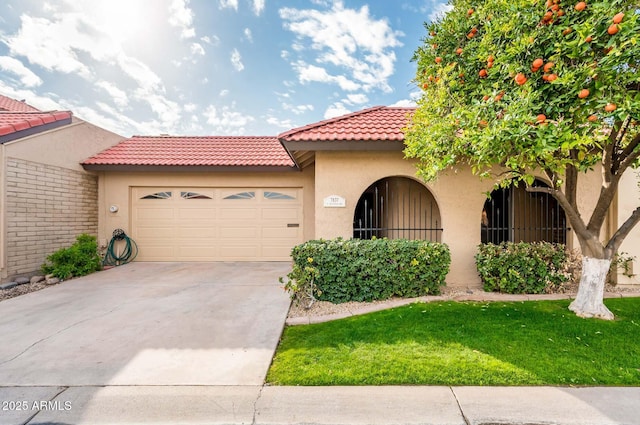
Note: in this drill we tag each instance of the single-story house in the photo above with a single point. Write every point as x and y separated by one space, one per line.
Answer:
222 198
46 197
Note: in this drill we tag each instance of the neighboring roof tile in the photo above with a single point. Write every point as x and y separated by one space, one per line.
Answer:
217 151
12 105
14 125
380 123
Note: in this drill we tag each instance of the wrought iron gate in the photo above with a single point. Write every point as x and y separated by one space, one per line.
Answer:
515 215
397 207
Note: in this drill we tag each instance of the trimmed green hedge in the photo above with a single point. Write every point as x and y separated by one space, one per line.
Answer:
522 268
342 270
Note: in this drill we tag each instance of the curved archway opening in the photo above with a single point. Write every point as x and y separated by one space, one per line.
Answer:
397 208
515 215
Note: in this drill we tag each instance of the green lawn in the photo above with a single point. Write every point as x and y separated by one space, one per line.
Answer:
451 343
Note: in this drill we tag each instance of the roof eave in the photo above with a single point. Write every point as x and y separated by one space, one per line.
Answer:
189 168
344 145
34 130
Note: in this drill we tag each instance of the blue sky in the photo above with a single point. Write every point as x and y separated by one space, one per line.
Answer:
210 67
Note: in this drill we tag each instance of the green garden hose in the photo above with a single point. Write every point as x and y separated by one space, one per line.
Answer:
120 242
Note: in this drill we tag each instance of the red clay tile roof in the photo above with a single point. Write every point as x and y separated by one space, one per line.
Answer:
380 123
12 105
216 151
14 125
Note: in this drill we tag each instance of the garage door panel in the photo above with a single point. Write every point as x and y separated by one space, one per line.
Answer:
157 213
239 213
280 213
206 233
197 213
239 232
199 224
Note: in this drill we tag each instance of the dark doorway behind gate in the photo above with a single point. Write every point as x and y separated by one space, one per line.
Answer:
515 215
397 207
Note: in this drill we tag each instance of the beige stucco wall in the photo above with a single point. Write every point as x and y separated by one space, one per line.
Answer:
115 188
44 189
628 201
460 196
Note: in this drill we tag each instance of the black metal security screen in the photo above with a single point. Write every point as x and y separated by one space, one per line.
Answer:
395 208
515 215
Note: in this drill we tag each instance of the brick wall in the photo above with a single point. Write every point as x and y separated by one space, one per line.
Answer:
46 208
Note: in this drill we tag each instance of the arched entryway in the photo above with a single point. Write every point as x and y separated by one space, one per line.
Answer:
395 208
515 215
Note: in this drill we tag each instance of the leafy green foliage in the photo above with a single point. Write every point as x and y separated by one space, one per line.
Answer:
522 268
451 343
341 270
486 103
79 259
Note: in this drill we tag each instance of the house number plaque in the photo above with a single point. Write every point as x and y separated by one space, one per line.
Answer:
334 201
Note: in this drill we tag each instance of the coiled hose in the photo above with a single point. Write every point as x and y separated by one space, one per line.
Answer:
128 251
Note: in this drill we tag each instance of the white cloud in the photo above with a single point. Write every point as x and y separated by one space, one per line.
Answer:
350 40
197 49
335 110
439 11
27 77
248 35
182 17
311 73
190 107
286 123
236 60
226 120
223 93
297 109
213 40
405 103
44 103
229 4
119 96
258 6
357 99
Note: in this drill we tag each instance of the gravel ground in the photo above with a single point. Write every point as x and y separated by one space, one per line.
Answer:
5 294
323 308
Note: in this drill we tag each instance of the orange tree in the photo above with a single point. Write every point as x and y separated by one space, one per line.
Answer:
517 88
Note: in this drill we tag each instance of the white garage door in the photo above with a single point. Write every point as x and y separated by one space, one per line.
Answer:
216 224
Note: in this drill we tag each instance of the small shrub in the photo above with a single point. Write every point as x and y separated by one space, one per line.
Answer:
342 270
79 259
522 268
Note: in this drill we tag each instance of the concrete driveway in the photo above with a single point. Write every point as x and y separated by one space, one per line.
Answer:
147 324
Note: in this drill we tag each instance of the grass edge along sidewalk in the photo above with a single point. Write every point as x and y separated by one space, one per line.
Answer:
465 343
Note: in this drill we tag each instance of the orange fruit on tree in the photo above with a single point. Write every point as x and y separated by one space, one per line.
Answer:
555 7
567 31
548 66
580 6
438 59
490 58
425 86
482 73
552 77
593 118
537 63
499 96
618 18
470 35
459 50
610 107
589 39
560 12
520 79
541 118
485 97
583 93
613 29
470 12
483 123
547 16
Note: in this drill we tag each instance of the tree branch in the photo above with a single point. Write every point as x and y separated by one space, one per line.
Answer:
622 232
630 155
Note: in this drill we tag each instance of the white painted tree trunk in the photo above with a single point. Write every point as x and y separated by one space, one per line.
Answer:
588 302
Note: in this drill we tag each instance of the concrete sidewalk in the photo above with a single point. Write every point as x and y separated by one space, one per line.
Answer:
319 405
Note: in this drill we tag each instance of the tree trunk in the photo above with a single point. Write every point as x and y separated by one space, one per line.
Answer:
588 302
